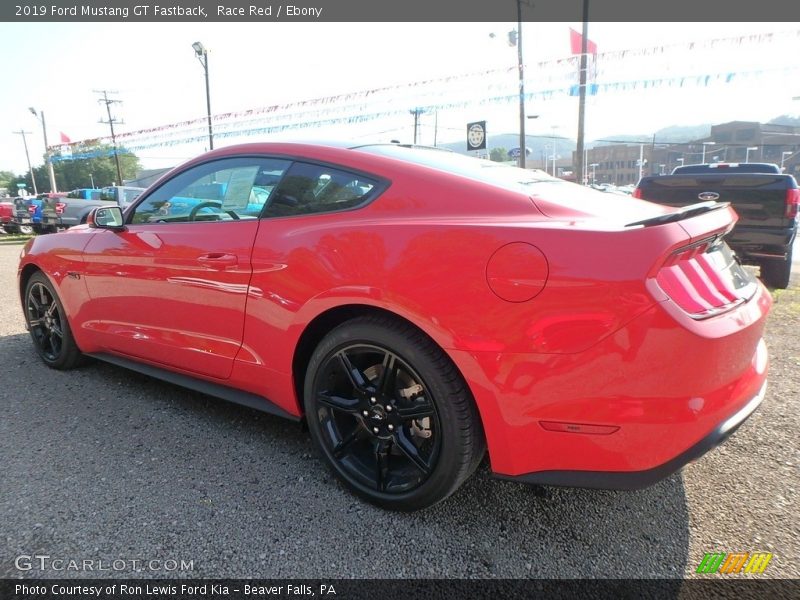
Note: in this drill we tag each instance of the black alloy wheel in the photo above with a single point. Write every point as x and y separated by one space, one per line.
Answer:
48 324
390 413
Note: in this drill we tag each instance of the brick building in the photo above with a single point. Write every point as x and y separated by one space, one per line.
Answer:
736 141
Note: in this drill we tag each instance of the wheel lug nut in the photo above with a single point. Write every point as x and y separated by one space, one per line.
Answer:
389 408
375 430
373 400
391 427
365 413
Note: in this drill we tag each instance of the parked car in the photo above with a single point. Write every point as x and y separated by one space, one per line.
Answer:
416 307
765 200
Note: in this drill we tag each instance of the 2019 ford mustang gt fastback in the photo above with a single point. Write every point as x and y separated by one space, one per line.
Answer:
419 308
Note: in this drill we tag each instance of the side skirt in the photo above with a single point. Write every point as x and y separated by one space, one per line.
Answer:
198 385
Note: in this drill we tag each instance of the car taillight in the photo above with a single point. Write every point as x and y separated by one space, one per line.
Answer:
31 209
705 279
792 202
637 193
60 206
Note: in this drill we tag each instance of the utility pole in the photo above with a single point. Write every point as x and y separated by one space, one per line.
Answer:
416 112
28 158
48 157
582 89
108 102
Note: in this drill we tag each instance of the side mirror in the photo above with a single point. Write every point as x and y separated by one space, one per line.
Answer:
106 217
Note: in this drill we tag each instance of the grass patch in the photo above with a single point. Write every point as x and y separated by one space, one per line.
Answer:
13 238
787 302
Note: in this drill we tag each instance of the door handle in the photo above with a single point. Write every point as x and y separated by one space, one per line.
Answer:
218 260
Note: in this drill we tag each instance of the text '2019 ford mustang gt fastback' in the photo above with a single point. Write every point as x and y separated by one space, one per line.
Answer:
417 307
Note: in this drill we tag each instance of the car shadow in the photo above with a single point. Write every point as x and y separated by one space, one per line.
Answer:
106 459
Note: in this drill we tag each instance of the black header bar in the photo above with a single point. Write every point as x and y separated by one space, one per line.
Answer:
710 11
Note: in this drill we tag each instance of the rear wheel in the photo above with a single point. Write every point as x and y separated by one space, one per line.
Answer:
776 273
391 414
48 325
26 229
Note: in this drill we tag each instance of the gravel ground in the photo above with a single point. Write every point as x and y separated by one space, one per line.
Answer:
102 463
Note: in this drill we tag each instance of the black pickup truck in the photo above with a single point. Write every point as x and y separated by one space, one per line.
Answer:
765 199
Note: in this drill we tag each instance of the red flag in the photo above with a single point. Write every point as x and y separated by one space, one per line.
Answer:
575 40
64 138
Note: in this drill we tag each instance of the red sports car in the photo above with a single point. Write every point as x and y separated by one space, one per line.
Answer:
417 308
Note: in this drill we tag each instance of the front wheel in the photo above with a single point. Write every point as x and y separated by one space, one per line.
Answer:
48 325
391 414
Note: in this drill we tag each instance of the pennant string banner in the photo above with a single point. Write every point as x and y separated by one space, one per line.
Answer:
610 72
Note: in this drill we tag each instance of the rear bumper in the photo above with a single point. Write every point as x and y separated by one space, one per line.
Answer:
754 243
631 409
633 480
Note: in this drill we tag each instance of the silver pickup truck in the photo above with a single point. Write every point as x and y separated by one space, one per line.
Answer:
74 208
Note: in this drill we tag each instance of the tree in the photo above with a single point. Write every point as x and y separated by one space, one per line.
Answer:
499 155
87 164
8 181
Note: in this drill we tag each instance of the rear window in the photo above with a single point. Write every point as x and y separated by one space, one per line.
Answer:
311 188
728 168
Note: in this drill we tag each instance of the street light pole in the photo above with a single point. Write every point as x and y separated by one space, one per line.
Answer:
593 166
784 154
202 55
581 166
50 171
747 153
522 145
641 159
703 161
28 158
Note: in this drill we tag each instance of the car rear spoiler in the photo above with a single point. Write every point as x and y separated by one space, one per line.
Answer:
682 213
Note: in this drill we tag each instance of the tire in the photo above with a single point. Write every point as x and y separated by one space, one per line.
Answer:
776 273
391 415
48 325
10 229
26 229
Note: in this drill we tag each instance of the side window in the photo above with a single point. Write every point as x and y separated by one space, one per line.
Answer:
309 189
229 189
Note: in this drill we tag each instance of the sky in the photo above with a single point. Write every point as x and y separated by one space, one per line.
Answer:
649 75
